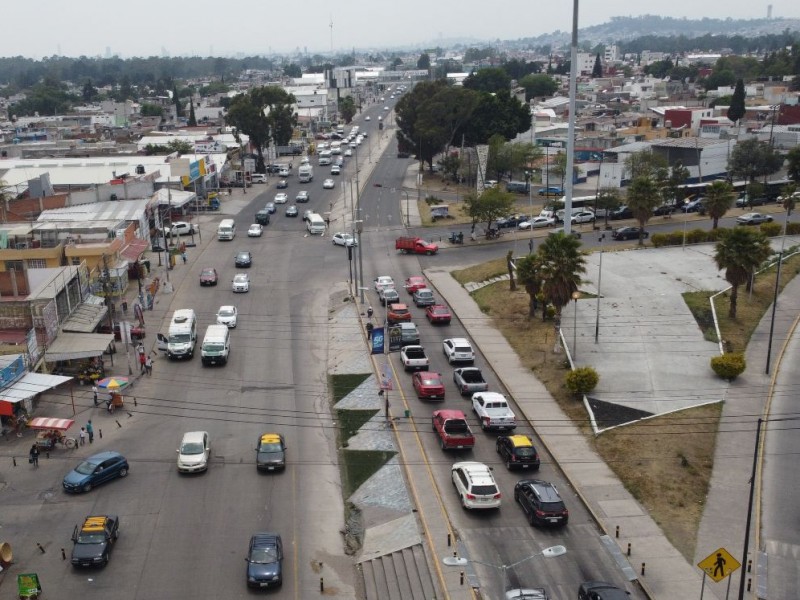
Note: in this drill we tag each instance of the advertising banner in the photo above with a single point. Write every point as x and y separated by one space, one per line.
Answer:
395 338
377 340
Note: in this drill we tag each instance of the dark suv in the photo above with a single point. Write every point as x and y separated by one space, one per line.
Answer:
600 590
541 502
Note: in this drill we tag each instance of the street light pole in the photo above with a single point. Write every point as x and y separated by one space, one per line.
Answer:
599 278
408 214
551 552
575 296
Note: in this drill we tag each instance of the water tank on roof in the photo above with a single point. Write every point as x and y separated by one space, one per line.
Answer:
140 169
112 197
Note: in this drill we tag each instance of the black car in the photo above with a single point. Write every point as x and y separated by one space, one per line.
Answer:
243 259
600 590
511 222
628 233
541 502
265 561
744 201
270 452
262 217
518 452
664 210
282 184
623 212
93 541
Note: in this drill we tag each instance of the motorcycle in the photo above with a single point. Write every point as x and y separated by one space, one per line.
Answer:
493 234
456 238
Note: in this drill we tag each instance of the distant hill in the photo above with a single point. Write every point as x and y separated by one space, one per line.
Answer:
623 29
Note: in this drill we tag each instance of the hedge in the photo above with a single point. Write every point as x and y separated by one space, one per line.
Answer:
700 236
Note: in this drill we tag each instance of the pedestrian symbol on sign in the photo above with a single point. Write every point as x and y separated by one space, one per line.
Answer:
719 564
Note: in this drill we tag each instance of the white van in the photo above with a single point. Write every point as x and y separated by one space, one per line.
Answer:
216 345
325 158
226 230
182 336
315 224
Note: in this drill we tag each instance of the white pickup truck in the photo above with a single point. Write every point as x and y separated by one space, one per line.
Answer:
493 411
414 358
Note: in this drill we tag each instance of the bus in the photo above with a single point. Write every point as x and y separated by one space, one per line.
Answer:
579 203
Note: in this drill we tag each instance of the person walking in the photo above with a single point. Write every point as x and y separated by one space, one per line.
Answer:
82 436
90 431
184 257
148 366
94 392
142 361
34 455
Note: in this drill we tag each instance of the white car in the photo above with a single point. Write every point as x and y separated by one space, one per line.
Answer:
536 223
348 152
458 350
194 452
584 216
367 118
336 170
383 282
281 198
241 282
284 172
227 315
344 239
385 108
475 485
255 230
380 118
180 228
328 184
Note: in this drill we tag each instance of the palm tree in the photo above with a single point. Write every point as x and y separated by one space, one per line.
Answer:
529 275
740 252
643 198
561 267
719 200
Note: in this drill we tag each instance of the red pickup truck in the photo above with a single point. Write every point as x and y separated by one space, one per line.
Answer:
415 245
453 430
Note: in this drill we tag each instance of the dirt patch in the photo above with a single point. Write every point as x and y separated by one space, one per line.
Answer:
664 462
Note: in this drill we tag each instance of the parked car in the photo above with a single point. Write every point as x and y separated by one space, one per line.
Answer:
180 228
753 218
552 190
438 313
664 210
541 502
744 201
585 216
475 485
600 590
621 212
693 205
628 233
208 276
95 470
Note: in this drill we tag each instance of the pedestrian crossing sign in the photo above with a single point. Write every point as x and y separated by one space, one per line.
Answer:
719 564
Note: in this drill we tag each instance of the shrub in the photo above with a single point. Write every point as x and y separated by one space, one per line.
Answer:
430 200
715 235
696 236
582 380
771 229
659 239
729 366
793 228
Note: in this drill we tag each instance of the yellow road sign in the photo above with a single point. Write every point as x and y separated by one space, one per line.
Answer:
719 564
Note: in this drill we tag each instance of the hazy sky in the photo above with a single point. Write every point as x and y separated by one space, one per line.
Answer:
37 28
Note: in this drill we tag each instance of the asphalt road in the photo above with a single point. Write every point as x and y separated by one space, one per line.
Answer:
497 537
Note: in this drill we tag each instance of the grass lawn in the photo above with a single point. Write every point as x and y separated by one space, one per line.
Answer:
360 465
665 462
341 385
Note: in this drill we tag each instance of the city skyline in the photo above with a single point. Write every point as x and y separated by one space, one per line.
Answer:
204 28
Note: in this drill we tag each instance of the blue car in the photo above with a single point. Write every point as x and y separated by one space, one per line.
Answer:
265 561
95 470
553 190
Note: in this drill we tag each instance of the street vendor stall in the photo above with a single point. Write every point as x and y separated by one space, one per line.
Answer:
50 432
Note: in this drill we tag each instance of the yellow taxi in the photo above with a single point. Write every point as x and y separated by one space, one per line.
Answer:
518 452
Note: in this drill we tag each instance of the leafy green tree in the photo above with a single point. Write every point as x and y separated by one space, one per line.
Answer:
538 86
151 110
517 68
719 200
608 199
176 100
491 205
213 88
529 275
89 92
647 164
562 265
396 63
498 113
292 70
180 146
46 98
451 164
192 117
559 168
736 110
739 253
660 68
643 199
347 108
721 78
424 61
789 199
751 159
597 70
671 188
793 162
490 79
